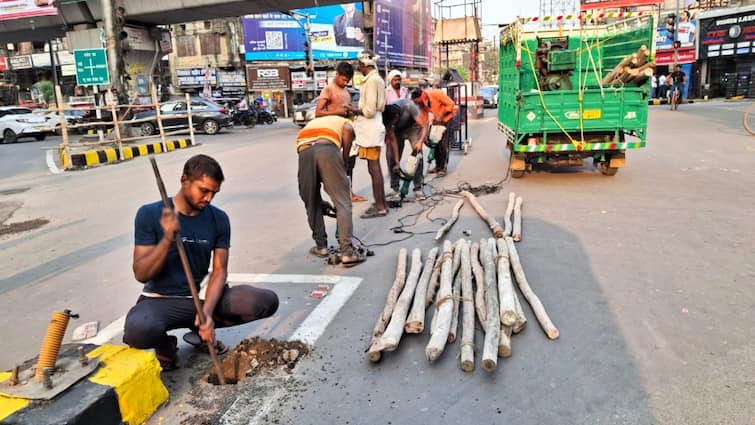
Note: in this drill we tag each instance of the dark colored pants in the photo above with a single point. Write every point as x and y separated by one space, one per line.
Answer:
443 148
148 321
411 133
323 164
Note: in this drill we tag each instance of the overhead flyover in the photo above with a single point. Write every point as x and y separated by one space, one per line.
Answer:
141 12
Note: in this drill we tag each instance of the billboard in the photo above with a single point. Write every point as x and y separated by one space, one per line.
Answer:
14 9
335 31
728 36
686 34
403 32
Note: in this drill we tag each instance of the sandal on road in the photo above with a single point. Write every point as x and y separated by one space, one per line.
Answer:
373 212
317 251
357 198
192 338
352 259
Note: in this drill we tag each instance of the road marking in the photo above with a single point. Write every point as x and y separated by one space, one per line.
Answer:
51 163
308 331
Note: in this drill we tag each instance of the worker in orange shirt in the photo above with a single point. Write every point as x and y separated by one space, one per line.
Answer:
443 109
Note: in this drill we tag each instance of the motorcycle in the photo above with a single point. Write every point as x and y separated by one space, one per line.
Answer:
267 116
247 118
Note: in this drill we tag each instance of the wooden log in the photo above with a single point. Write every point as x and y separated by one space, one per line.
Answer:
537 306
415 323
432 285
628 75
504 343
642 56
385 315
641 77
507 308
507 215
443 308
392 336
493 329
455 291
516 234
479 278
619 68
521 319
467 322
449 223
495 227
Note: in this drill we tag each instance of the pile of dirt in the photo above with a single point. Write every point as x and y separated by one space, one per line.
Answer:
256 355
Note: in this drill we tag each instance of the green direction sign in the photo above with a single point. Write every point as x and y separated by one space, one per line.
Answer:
91 67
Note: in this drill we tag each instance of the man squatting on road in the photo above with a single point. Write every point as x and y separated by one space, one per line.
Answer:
166 302
323 146
403 121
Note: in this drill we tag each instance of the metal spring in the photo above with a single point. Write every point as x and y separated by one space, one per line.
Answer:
51 345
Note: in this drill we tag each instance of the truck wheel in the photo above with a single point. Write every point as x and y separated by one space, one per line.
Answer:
517 174
608 171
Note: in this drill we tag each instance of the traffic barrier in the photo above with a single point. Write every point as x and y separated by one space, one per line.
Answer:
109 155
125 389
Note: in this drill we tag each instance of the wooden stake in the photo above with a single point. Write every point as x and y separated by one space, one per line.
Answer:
507 308
65 153
517 233
479 278
390 302
432 285
443 307
537 307
116 125
493 327
415 323
507 215
504 343
495 227
455 291
158 117
449 223
392 336
521 320
191 119
467 323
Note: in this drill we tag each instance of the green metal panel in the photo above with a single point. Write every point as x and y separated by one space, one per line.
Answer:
562 60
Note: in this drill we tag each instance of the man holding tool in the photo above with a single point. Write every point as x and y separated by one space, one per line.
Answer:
443 108
166 301
403 121
323 146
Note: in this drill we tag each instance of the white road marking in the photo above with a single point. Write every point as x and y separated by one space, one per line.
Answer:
308 331
51 163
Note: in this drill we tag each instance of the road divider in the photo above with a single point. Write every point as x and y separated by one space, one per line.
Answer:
110 155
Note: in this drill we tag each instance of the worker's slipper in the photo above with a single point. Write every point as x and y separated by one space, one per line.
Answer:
192 338
169 361
433 171
317 251
419 195
357 198
442 173
373 212
352 260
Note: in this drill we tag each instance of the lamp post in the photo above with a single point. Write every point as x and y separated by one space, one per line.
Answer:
297 16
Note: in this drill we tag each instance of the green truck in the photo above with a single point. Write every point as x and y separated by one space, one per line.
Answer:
556 105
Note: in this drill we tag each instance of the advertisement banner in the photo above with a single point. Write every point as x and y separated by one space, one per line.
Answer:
403 32
686 34
14 9
335 32
267 78
731 35
193 77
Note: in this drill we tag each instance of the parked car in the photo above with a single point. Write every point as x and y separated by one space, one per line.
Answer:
73 117
207 116
17 122
489 96
305 112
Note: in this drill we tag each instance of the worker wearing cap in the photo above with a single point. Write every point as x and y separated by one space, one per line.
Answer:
395 90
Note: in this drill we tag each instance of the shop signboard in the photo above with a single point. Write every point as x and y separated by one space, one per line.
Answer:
14 9
3 63
727 36
20 62
267 78
193 77
299 80
335 32
231 78
41 60
403 32
321 78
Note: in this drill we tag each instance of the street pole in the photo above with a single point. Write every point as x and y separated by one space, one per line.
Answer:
54 73
111 43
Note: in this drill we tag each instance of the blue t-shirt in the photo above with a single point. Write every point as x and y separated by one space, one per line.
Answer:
200 234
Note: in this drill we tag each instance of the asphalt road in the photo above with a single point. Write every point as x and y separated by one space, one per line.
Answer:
649 276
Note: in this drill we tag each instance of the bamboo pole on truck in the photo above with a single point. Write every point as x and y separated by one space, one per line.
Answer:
516 234
467 323
495 227
443 309
392 336
507 227
158 116
191 118
65 154
507 308
385 315
479 277
432 285
116 128
415 323
493 326
537 307
454 216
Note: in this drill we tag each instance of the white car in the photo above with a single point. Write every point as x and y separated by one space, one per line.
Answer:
17 122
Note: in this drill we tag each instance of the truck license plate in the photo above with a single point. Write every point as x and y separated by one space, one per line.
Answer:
591 114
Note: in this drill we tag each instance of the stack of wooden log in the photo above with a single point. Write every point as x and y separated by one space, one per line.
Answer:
471 279
632 70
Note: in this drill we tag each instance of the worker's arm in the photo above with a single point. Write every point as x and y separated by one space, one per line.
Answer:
347 138
449 109
390 140
215 286
150 259
421 119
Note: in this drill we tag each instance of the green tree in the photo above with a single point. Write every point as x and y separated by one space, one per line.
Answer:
46 89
